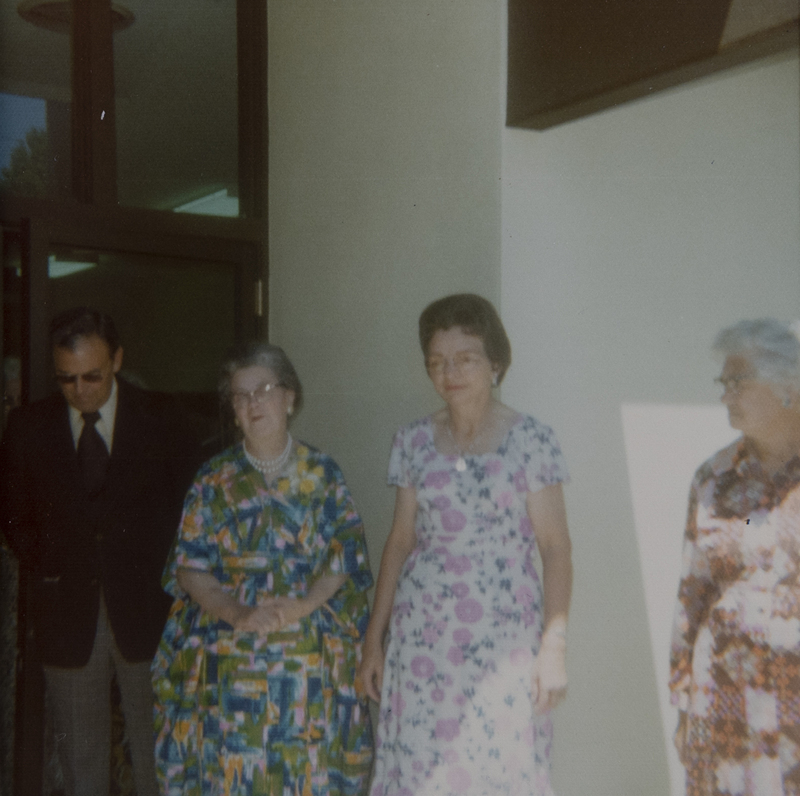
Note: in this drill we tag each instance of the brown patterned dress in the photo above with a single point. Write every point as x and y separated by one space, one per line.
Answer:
735 658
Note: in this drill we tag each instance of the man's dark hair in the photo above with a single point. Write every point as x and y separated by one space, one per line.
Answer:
69 326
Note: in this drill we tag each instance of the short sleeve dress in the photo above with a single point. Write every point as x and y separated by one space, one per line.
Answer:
456 714
735 658
281 715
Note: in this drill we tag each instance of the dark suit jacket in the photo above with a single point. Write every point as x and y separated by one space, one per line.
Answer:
120 540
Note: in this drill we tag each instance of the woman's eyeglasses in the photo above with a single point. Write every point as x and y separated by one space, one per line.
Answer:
732 384
459 363
257 396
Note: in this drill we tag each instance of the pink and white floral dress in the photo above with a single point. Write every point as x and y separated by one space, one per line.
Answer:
456 714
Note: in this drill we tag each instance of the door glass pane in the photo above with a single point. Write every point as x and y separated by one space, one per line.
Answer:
175 76
34 105
176 318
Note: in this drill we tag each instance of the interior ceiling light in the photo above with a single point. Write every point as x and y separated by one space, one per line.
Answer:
58 268
57 15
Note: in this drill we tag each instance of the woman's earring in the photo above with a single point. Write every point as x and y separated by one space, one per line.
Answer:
494 380
290 411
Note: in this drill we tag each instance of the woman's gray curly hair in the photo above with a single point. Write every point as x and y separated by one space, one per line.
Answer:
265 355
771 346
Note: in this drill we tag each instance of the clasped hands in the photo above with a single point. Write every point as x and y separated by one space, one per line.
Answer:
270 615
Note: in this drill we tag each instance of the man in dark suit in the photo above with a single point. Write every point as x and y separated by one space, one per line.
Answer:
93 483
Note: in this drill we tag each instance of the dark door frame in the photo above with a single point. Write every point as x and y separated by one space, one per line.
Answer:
37 236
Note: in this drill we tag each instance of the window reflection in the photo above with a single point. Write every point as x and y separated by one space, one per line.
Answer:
175 75
34 146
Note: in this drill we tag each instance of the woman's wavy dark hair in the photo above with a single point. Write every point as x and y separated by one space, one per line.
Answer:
474 315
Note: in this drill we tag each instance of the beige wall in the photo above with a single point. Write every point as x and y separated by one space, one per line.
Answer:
384 195
616 247
629 239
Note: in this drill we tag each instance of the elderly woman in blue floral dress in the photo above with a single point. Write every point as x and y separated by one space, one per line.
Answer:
255 676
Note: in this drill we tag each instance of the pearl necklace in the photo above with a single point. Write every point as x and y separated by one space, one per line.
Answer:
270 467
461 461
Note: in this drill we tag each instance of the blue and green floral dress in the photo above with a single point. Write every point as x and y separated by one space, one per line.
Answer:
282 715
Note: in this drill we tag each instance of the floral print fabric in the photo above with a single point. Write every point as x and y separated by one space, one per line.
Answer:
456 714
735 658
280 715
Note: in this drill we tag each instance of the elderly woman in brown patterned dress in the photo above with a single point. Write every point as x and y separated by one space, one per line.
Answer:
735 661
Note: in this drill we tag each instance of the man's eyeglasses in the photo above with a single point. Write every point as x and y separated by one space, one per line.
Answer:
90 378
258 396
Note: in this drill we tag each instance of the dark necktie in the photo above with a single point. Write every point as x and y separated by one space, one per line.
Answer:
92 454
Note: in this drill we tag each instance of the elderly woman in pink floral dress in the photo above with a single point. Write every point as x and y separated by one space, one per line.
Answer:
735 662
468 676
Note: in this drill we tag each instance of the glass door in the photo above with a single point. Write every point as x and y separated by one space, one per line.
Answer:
179 302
